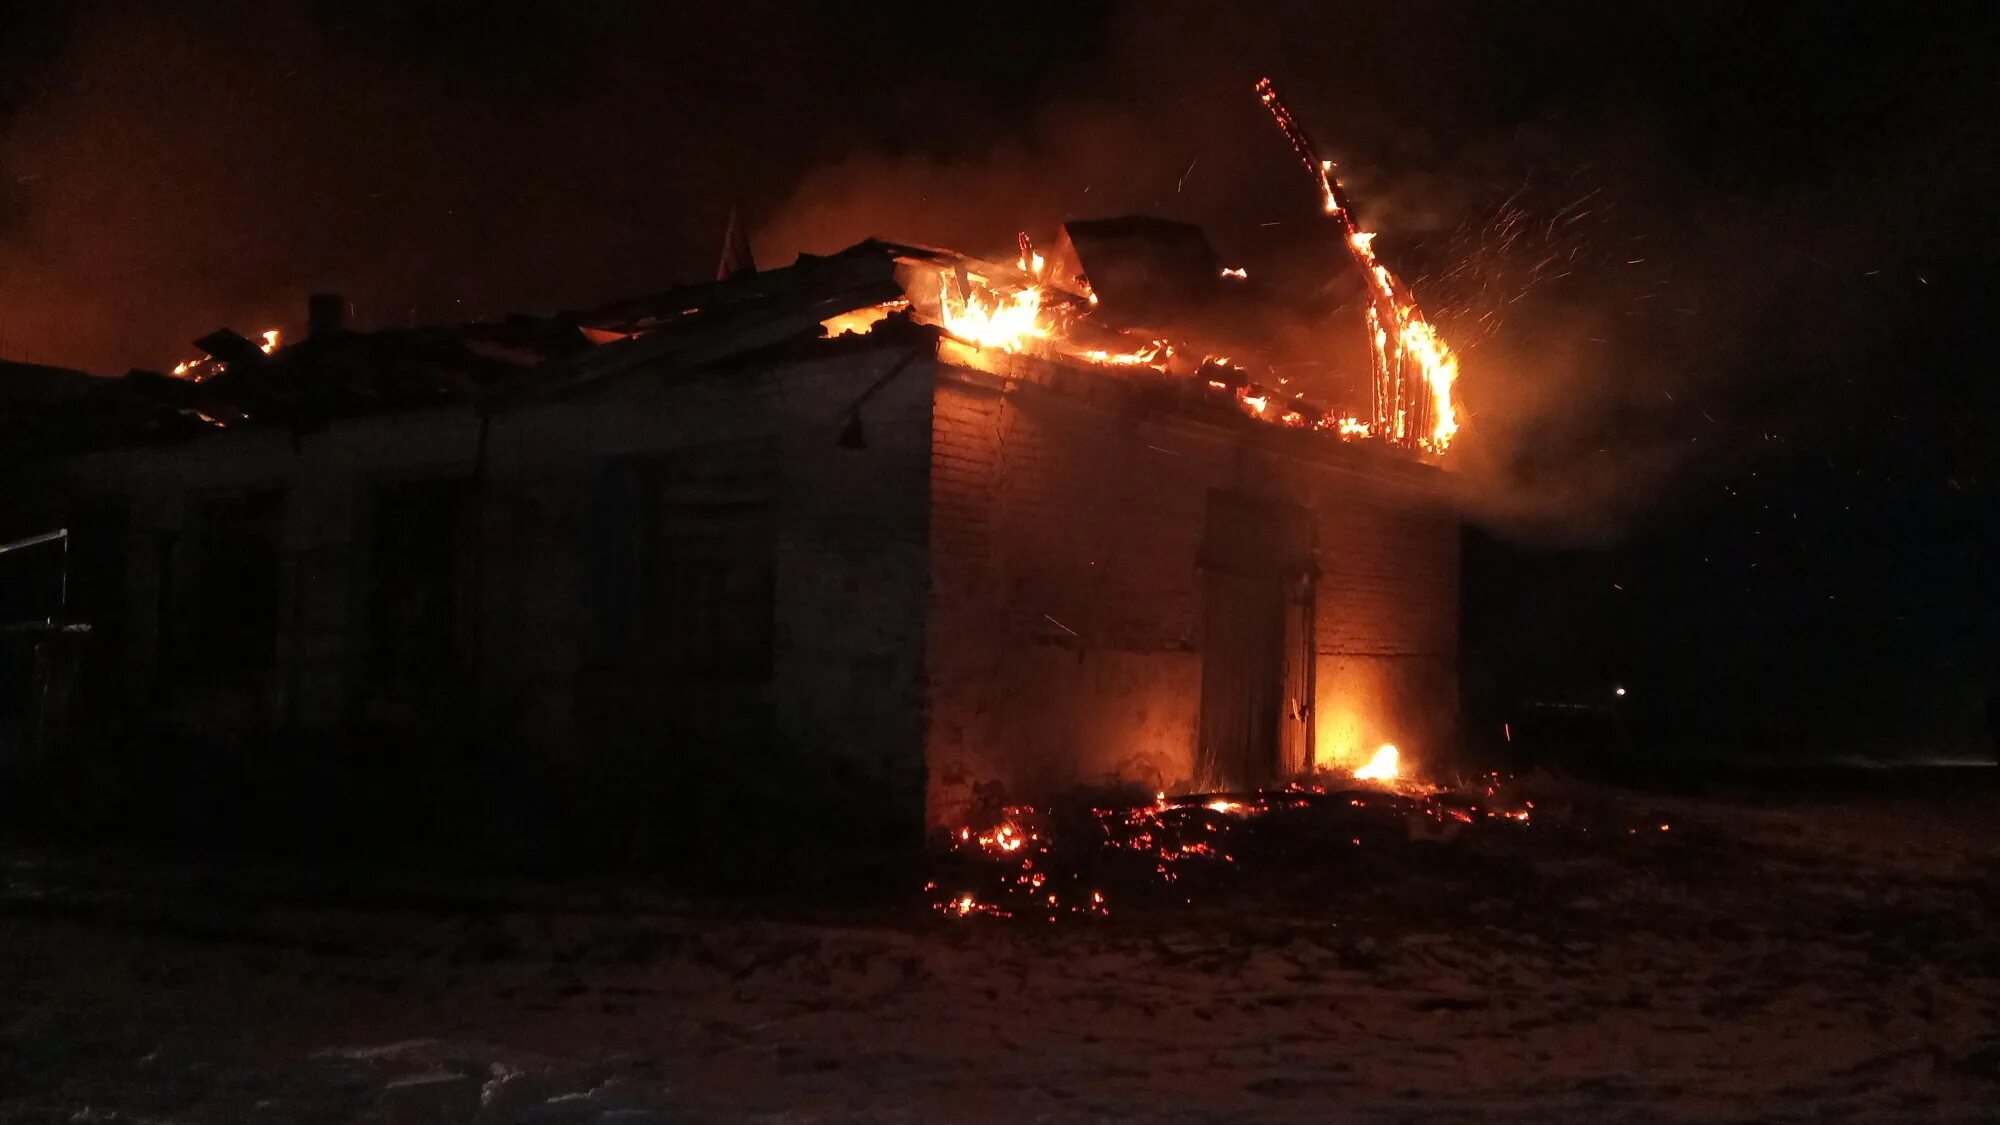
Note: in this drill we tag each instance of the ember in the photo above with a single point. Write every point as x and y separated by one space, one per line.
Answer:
1050 863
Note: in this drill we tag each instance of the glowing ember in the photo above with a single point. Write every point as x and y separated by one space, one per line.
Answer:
860 321
1384 766
1175 848
1154 354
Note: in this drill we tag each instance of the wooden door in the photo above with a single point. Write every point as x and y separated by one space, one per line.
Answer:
1255 567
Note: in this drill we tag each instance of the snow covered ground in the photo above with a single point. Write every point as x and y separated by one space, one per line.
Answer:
1823 958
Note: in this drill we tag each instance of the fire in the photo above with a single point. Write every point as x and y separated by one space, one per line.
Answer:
1407 350
195 370
1384 766
1414 343
860 321
1030 262
1173 848
991 320
1415 371
1152 354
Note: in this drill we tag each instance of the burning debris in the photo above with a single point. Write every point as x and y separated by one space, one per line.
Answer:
1033 862
208 366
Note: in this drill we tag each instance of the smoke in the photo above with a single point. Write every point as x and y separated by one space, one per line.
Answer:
1653 280
1652 256
169 167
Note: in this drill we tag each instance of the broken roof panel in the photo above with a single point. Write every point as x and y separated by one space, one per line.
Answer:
1120 300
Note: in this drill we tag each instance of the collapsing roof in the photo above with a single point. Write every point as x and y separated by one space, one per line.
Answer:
1123 299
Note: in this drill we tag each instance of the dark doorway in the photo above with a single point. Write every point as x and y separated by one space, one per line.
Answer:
1256 711
419 600
236 587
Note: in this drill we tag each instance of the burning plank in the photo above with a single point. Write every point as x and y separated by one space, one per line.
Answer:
1415 371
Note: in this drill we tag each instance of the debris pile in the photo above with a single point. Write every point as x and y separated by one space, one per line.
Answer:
1033 862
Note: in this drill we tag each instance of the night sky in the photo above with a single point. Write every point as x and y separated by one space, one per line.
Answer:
1720 272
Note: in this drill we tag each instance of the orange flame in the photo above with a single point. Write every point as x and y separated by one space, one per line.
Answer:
860 321
991 320
195 370
1384 766
1414 343
1406 348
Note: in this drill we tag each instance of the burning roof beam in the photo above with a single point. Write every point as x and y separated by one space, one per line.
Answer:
231 349
1415 371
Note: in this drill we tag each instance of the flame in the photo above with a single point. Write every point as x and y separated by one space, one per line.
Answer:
1030 262
195 370
1006 838
1404 344
1384 766
1153 354
860 321
1414 343
991 320
1017 315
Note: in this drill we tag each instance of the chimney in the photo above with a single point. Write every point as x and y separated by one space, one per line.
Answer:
326 314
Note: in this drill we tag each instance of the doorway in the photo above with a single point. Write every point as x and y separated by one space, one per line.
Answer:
1257 594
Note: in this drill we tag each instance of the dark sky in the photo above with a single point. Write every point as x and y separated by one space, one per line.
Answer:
1720 271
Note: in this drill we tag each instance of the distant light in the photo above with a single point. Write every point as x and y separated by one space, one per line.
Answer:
1619 692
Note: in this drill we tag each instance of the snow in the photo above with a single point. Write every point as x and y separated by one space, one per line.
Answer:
1829 958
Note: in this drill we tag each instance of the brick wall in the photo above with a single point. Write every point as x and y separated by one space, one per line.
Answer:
1064 637
849 549
1000 589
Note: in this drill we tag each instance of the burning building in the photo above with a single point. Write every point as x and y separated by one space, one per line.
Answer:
938 531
